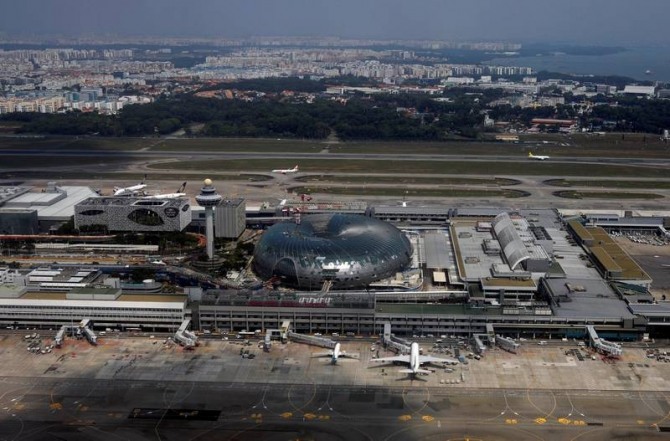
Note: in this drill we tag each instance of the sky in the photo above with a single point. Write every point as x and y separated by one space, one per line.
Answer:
588 22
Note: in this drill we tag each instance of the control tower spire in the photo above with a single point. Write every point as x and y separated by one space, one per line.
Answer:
209 199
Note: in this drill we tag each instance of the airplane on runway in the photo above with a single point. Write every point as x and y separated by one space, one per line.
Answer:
180 193
284 171
415 360
129 191
336 353
537 157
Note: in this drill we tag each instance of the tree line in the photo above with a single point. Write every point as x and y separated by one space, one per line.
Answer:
402 116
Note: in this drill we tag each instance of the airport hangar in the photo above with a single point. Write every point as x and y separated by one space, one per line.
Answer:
485 273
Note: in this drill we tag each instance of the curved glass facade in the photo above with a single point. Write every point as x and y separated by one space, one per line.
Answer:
349 250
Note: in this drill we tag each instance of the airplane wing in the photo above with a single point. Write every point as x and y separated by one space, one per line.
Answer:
323 354
418 371
354 355
403 358
429 359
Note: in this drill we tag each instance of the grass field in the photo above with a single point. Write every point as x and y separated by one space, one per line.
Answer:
582 145
607 183
32 162
401 192
408 180
174 176
72 142
572 194
633 145
423 167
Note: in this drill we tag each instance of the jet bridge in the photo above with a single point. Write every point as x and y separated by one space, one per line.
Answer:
400 345
83 329
60 336
507 344
86 331
602 345
312 340
185 337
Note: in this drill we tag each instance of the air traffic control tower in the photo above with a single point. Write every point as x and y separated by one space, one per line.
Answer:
209 199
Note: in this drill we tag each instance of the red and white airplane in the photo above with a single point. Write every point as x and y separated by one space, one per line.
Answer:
284 171
415 360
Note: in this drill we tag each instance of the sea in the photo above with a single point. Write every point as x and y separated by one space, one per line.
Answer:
640 63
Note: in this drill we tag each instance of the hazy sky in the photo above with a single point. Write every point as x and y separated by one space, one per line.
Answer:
620 22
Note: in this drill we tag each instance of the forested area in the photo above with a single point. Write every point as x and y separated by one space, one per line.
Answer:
398 116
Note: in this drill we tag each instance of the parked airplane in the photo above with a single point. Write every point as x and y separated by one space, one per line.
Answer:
284 171
538 157
336 353
415 360
129 191
180 193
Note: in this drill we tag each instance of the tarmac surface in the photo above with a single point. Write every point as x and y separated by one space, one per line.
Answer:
139 388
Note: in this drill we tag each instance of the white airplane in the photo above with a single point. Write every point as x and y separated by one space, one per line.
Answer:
336 353
284 171
129 191
180 193
538 157
415 360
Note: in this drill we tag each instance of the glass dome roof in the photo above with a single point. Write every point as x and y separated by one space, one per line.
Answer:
349 250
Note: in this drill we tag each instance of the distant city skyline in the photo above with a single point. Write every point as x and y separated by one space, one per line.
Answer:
592 22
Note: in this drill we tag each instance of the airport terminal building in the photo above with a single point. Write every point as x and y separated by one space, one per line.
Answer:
534 273
133 214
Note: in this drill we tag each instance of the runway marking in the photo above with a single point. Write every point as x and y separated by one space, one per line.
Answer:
546 415
405 417
427 418
540 420
650 407
425 404
586 433
300 409
505 410
573 409
511 421
665 417
286 415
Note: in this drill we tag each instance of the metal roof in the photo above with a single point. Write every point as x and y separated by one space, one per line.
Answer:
61 209
513 247
437 251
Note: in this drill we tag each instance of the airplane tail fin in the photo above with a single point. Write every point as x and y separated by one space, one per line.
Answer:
530 154
182 188
144 179
295 168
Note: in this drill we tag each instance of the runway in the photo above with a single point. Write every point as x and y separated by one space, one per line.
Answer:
208 154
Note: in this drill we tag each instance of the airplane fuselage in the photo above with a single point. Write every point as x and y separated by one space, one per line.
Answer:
286 170
166 196
336 353
128 190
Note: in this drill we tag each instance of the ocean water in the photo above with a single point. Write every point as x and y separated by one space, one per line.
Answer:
634 63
